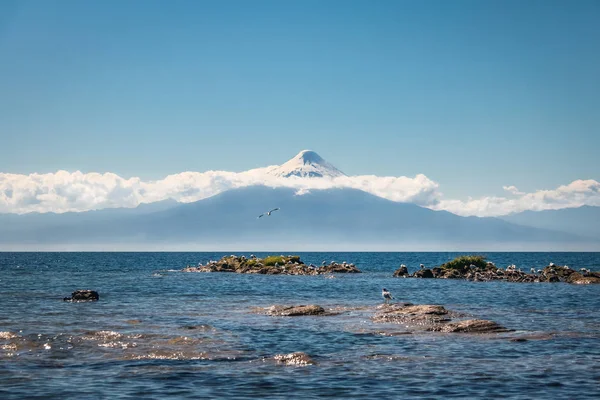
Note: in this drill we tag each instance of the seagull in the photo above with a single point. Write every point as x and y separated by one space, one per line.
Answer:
268 213
387 296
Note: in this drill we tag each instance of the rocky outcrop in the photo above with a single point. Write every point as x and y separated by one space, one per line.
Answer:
401 272
294 311
423 273
297 359
485 272
434 318
581 279
83 295
336 268
272 265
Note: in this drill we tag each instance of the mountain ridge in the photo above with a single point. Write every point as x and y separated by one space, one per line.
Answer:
328 217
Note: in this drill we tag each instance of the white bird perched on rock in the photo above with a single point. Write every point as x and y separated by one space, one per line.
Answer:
387 296
422 266
585 270
533 270
551 265
268 213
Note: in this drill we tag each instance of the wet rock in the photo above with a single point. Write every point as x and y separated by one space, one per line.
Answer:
294 311
412 314
423 273
83 295
7 335
298 359
338 268
449 274
401 272
470 326
579 279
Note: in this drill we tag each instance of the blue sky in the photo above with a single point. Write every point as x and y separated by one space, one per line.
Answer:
474 94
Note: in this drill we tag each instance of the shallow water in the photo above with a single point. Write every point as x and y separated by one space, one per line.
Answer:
159 333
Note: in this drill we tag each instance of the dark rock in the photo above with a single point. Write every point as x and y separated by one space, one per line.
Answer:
401 272
423 273
83 295
338 268
489 272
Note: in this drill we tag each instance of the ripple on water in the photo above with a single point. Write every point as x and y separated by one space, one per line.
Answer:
192 335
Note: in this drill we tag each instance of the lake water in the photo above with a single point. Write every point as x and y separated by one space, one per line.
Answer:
158 333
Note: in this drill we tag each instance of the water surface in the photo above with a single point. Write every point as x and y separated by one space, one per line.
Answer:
157 332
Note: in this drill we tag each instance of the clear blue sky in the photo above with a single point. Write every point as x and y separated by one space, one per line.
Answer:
474 94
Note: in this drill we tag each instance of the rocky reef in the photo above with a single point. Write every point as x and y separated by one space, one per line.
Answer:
272 265
475 268
412 317
434 318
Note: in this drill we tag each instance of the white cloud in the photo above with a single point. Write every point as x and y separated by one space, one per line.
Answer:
65 191
513 190
575 194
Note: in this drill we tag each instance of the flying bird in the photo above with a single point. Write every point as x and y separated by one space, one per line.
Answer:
268 213
387 296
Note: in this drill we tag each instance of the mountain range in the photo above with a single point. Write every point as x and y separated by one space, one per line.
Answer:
327 219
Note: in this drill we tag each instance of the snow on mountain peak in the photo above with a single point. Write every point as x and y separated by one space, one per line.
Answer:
307 163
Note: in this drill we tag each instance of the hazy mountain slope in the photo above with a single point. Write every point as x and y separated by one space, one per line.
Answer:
583 221
323 216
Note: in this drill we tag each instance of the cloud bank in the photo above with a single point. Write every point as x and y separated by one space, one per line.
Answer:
75 191
576 194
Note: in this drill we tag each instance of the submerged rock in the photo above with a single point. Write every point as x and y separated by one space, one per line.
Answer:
297 358
470 326
83 295
272 265
294 311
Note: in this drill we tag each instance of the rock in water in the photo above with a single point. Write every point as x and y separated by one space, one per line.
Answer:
297 358
401 272
423 273
470 326
580 279
422 315
83 295
272 265
294 311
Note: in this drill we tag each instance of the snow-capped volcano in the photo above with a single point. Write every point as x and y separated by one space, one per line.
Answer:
307 163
